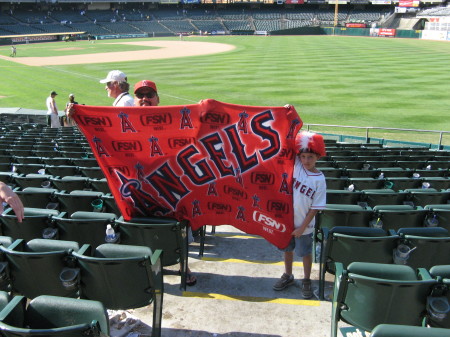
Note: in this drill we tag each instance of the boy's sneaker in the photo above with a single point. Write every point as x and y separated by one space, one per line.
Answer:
307 288
285 281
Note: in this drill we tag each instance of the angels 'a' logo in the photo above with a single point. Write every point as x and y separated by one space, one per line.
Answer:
284 188
242 124
101 151
185 119
196 211
241 214
256 201
125 123
155 149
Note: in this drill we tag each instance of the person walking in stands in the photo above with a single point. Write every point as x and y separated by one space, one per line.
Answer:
71 102
117 87
309 196
8 196
52 111
145 94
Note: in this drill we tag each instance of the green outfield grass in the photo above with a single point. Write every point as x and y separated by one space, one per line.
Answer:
330 80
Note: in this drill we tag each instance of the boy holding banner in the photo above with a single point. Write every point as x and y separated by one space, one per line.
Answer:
309 196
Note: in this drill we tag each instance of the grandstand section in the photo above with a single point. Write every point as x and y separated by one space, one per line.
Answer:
231 19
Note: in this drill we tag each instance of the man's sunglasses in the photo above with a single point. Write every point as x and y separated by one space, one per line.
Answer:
145 94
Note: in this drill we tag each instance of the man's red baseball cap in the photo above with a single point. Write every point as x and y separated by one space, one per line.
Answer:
145 84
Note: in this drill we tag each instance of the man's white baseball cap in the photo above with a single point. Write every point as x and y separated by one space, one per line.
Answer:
115 76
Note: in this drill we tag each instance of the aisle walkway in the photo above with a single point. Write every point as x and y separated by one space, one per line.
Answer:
234 295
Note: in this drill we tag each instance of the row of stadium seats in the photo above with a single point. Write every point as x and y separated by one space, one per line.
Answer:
415 247
369 294
384 216
84 227
119 276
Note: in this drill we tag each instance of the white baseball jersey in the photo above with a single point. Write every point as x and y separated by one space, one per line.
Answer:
309 192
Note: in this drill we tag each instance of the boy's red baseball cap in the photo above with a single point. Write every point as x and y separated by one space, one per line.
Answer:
310 141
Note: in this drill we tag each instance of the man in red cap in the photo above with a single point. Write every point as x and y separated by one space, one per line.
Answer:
146 94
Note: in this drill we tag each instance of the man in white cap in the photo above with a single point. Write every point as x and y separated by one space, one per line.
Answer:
117 87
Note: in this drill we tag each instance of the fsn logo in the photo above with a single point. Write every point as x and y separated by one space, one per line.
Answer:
235 192
215 118
95 121
156 119
176 143
215 206
127 146
267 221
262 178
277 206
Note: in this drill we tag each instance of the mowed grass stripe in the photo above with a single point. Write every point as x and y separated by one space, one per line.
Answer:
329 79
255 299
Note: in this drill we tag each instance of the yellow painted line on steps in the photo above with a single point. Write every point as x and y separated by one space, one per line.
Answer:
251 299
219 259
237 236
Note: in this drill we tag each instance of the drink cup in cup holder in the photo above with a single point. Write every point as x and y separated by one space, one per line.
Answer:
49 233
401 254
69 277
46 184
97 205
438 307
52 205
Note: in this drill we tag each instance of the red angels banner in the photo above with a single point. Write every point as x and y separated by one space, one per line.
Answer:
211 163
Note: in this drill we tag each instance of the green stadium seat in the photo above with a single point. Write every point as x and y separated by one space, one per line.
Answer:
84 227
395 330
33 226
62 170
33 180
402 183
397 216
350 244
34 267
165 234
382 197
70 183
344 215
77 200
92 172
343 197
54 316
336 183
431 246
55 161
427 196
27 168
369 294
123 277
100 185
37 197
366 183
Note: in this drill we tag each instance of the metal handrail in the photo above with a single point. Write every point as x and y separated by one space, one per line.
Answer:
368 128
